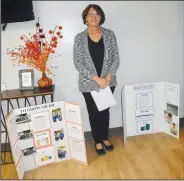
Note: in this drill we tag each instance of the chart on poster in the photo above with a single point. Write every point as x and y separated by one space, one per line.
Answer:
45 134
150 108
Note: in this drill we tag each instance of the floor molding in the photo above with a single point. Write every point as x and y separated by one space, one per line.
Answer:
118 131
112 131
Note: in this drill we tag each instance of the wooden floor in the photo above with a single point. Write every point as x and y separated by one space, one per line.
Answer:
153 156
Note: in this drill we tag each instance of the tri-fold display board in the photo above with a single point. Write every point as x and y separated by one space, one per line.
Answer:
150 108
45 134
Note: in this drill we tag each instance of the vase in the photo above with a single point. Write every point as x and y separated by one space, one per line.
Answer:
45 81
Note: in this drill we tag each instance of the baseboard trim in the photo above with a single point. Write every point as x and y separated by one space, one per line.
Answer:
118 131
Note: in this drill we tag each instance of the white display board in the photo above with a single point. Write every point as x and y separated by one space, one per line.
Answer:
150 108
44 134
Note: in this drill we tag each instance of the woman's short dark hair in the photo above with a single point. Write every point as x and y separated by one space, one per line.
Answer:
97 8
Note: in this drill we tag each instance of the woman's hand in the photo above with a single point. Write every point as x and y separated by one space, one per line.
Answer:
102 82
108 78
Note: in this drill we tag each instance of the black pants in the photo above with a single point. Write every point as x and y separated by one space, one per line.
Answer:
99 121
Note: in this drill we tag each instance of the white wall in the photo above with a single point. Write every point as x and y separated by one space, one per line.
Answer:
150 40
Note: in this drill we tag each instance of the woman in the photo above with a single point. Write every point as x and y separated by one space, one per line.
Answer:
96 58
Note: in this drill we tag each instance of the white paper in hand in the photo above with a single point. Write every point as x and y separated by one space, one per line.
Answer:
104 98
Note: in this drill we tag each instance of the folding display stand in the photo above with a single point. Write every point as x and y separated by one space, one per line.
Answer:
45 134
150 108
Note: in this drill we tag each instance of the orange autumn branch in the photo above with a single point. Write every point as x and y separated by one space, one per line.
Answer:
36 50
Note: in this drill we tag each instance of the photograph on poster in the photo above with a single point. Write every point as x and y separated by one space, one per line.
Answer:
23 118
173 128
144 126
42 139
29 151
173 109
56 115
167 116
23 135
61 151
59 135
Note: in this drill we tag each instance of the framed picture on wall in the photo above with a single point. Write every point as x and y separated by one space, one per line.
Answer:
26 79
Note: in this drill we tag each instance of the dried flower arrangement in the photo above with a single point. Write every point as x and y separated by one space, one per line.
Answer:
36 52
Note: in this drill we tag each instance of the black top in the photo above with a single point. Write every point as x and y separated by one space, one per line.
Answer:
96 50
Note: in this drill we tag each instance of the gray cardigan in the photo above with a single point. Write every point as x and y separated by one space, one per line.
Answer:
85 66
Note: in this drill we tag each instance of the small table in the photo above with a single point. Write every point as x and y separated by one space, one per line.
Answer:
17 94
